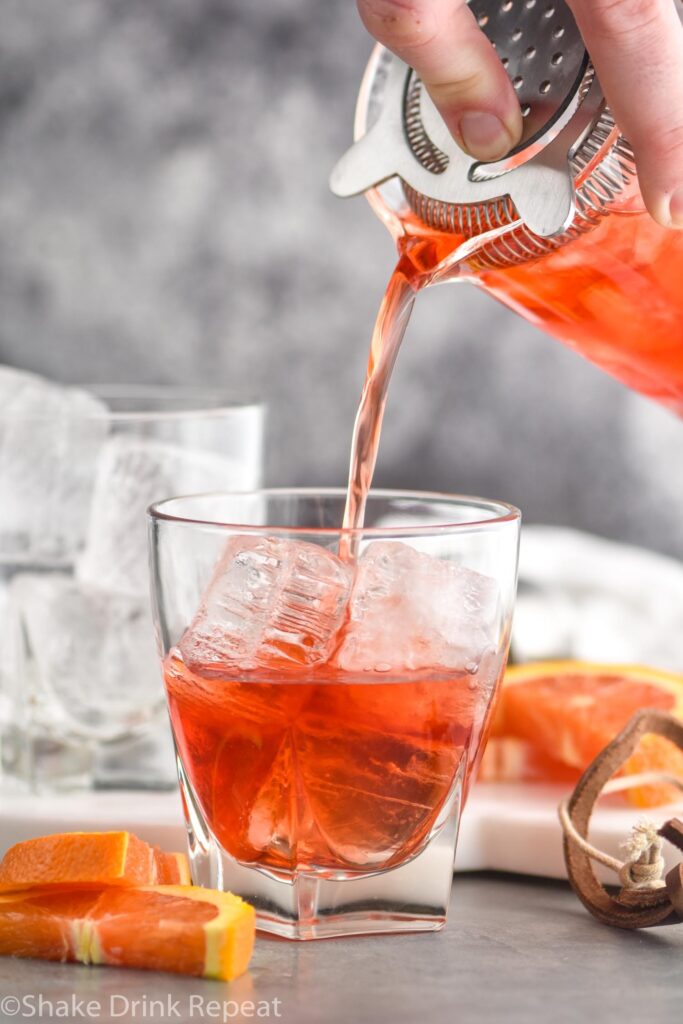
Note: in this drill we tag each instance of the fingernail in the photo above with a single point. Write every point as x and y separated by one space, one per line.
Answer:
676 208
484 135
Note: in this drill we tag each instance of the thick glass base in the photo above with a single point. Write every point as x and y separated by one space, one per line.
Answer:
43 763
310 904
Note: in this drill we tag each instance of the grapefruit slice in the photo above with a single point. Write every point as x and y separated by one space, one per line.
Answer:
508 759
567 712
90 859
176 928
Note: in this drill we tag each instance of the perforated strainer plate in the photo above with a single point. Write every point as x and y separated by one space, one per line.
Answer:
565 124
542 51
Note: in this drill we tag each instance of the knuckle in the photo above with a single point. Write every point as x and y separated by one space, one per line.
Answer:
667 144
401 23
459 88
619 18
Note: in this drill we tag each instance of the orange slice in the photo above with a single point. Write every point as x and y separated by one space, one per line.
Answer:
176 928
569 711
90 859
171 868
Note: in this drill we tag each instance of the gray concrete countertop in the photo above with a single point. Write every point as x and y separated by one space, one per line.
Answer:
514 951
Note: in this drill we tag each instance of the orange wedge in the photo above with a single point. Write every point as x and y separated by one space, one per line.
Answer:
171 868
175 928
567 712
90 859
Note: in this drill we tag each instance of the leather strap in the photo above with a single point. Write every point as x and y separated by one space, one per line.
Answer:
632 908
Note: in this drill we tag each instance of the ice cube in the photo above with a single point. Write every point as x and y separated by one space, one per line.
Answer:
277 822
270 602
234 737
411 611
87 662
373 795
50 437
132 473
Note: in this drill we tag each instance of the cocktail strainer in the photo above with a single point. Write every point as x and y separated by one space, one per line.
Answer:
568 171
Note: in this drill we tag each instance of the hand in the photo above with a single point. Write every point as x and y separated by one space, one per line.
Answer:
637 48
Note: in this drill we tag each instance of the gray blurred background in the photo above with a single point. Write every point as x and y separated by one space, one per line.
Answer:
165 217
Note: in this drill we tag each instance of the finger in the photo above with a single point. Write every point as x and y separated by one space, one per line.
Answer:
637 49
458 65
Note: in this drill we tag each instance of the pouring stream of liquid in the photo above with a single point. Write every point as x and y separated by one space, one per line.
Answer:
423 260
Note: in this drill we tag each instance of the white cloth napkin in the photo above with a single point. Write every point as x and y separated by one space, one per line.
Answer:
595 600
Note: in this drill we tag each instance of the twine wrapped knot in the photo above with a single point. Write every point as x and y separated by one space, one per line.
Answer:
644 865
